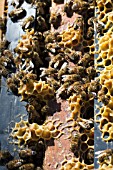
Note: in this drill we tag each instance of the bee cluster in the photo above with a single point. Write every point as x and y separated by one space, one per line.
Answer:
54 62
27 158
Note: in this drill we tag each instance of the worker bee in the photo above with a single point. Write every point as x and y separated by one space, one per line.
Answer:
79 6
5 157
91 72
91 21
28 23
45 110
41 24
62 70
55 20
104 155
74 56
74 148
105 99
94 86
28 166
37 60
47 71
62 91
2 24
4 45
78 23
17 14
41 6
16 163
12 86
57 61
89 156
72 78
86 60
90 33
24 154
34 116
53 82
86 124
99 28
75 141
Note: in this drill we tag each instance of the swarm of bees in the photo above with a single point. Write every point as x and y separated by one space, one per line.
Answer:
41 55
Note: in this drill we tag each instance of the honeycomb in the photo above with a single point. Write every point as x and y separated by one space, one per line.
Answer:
104 67
40 89
71 37
82 141
74 164
24 132
80 108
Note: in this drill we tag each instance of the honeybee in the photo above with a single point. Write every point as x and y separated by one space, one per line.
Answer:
104 155
34 102
94 86
53 82
74 148
13 87
68 8
90 33
41 24
91 21
2 24
28 166
17 14
72 78
4 45
8 54
57 61
78 23
91 72
37 59
45 110
99 28
34 116
40 8
74 56
5 157
55 19
79 6
105 99
24 154
86 60
75 137
86 124
90 155
14 164
62 70
28 23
